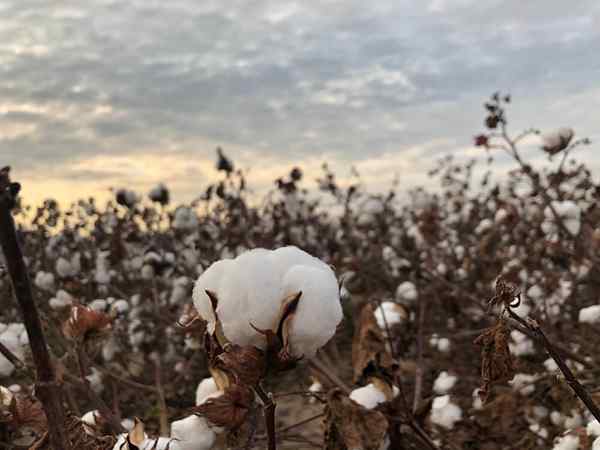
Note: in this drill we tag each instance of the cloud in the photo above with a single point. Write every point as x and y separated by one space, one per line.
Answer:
291 81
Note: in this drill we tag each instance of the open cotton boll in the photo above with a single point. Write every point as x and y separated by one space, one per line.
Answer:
207 389
524 383
368 396
6 396
252 287
444 383
44 281
185 218
390 313
89 421
593 428
591 314
445 413
14 339
193 433
406 291
568 442
596 444
62 300
557 140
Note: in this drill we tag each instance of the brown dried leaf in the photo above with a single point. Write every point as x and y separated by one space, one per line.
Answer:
507 294
496 361
369 352
228 410
84 322
247 364
348 425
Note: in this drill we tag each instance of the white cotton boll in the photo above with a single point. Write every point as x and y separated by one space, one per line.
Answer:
162 443
573 421
524 383
185 219
110 349
89 421
193 433
390 313
568 442
537 429
477 402
66 268
147 272
593 428
591 314
44 281
251 289
444 383
120 306
6 397
445 413
522 345
368 396
95 381
62 300
102 275
596 444
557 418
550 365
501 214
98 305
128 424
441 269
443 345
406 291
484 226
523 309
180 290
206 389
556 140
11 340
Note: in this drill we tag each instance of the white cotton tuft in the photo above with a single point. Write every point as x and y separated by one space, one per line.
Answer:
596 444
445 413
557 140
368 396
252 287
193 433
568 442
524 383
593 428
591 314
89 421
406 291
206 389
444 383
44 281
62 300
389 314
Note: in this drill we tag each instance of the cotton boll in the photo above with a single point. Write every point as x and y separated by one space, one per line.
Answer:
128 424
573 421
443 345
557 140
406 291
389 314
524 383
483 226
444 383
120 306
522 345
368 396
6 397
180 290
95 381
591 314
89 421
477 402
550 365
11 340
445 413
568 442
193 433
62 300
185 219
596 444
44 281
252 287
206 389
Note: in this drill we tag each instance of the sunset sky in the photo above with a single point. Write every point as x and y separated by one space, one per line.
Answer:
102 93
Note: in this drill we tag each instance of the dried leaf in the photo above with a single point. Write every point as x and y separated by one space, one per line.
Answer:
246 364
370 355
350 426
228 410
84 323
507 294
496 361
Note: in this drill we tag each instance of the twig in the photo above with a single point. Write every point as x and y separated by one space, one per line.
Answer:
162 402
579 390
47 389
420 370
269 412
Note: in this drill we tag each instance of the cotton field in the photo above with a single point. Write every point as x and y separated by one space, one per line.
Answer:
323 316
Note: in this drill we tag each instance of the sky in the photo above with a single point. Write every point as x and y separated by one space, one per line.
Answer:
101 93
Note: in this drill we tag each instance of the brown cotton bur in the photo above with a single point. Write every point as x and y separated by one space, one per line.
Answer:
496 361
279 354
348 425
228 410
84 322
24 412
369 353
246 365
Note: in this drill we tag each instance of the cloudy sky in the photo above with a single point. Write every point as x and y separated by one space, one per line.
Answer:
100 93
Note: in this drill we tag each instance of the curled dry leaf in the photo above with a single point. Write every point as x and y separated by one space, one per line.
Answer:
228 410
84 322
496 360
246 365
370 355
349 426
507 294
